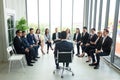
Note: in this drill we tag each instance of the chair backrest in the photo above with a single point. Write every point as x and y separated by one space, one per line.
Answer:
65 56
10 51
14 49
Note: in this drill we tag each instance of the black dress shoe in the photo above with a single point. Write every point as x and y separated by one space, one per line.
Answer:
96 67
30 64
37 57
93 64
77 54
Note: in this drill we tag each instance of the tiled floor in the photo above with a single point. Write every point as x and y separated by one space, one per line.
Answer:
43 70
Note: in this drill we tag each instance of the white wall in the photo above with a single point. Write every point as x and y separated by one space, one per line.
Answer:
18 6
3 43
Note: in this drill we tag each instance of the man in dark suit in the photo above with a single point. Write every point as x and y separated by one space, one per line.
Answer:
27 45
90 44
32 41
56 36
62 46
77 40
106 47
20 49
84 40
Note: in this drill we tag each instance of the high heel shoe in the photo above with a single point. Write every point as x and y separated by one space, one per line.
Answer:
82 55
88 60
47 51
42 52
52 49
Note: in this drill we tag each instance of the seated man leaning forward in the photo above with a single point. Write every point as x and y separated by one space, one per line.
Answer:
62 46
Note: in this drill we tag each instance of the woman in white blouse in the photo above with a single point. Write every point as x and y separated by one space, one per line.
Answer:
69 37
39 39
48 40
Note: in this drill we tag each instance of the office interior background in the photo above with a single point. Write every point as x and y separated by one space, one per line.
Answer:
63 14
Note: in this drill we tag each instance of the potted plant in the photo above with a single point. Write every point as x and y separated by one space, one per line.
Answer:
22 24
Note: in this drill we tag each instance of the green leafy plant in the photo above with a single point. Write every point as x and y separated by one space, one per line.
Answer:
22 25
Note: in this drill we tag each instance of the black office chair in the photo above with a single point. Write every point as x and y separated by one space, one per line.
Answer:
63 57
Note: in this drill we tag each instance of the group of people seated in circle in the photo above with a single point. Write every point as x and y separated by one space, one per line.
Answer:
93 44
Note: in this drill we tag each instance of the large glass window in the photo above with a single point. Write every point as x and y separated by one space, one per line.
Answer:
93 13
66 14
32 13
78 15
111 16
55 14
97 14
103 14
44 14
117 51
11 29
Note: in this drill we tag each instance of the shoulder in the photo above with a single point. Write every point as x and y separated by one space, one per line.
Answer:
28 34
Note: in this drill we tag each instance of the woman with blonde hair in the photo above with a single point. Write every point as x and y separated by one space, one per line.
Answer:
69 37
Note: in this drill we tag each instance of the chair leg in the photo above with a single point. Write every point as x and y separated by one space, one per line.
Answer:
24 61
21 64
63 70
9 66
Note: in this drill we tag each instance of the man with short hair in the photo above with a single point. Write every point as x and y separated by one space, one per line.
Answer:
19 47
27 45
62 46
106 47
56 36
84 40
32 41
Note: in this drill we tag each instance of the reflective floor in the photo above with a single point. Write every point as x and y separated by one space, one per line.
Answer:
43 70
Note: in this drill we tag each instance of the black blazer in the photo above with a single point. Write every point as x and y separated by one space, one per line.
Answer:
106 46
78 37
54 36
85 38
18 45
63 46
94 37
99 43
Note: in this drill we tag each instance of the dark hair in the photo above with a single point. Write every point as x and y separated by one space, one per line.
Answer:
31 29
46 31
93 29
63 35
18 31
23 31
37 30
106 30
84 27
78 29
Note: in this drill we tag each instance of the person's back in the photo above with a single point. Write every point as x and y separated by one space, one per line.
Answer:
62 46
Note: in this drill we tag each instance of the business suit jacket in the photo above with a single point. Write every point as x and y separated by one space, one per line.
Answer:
99 43
31 39
78 37
25 42
94 37
17 42
106 45
54 36
85 38
63 46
